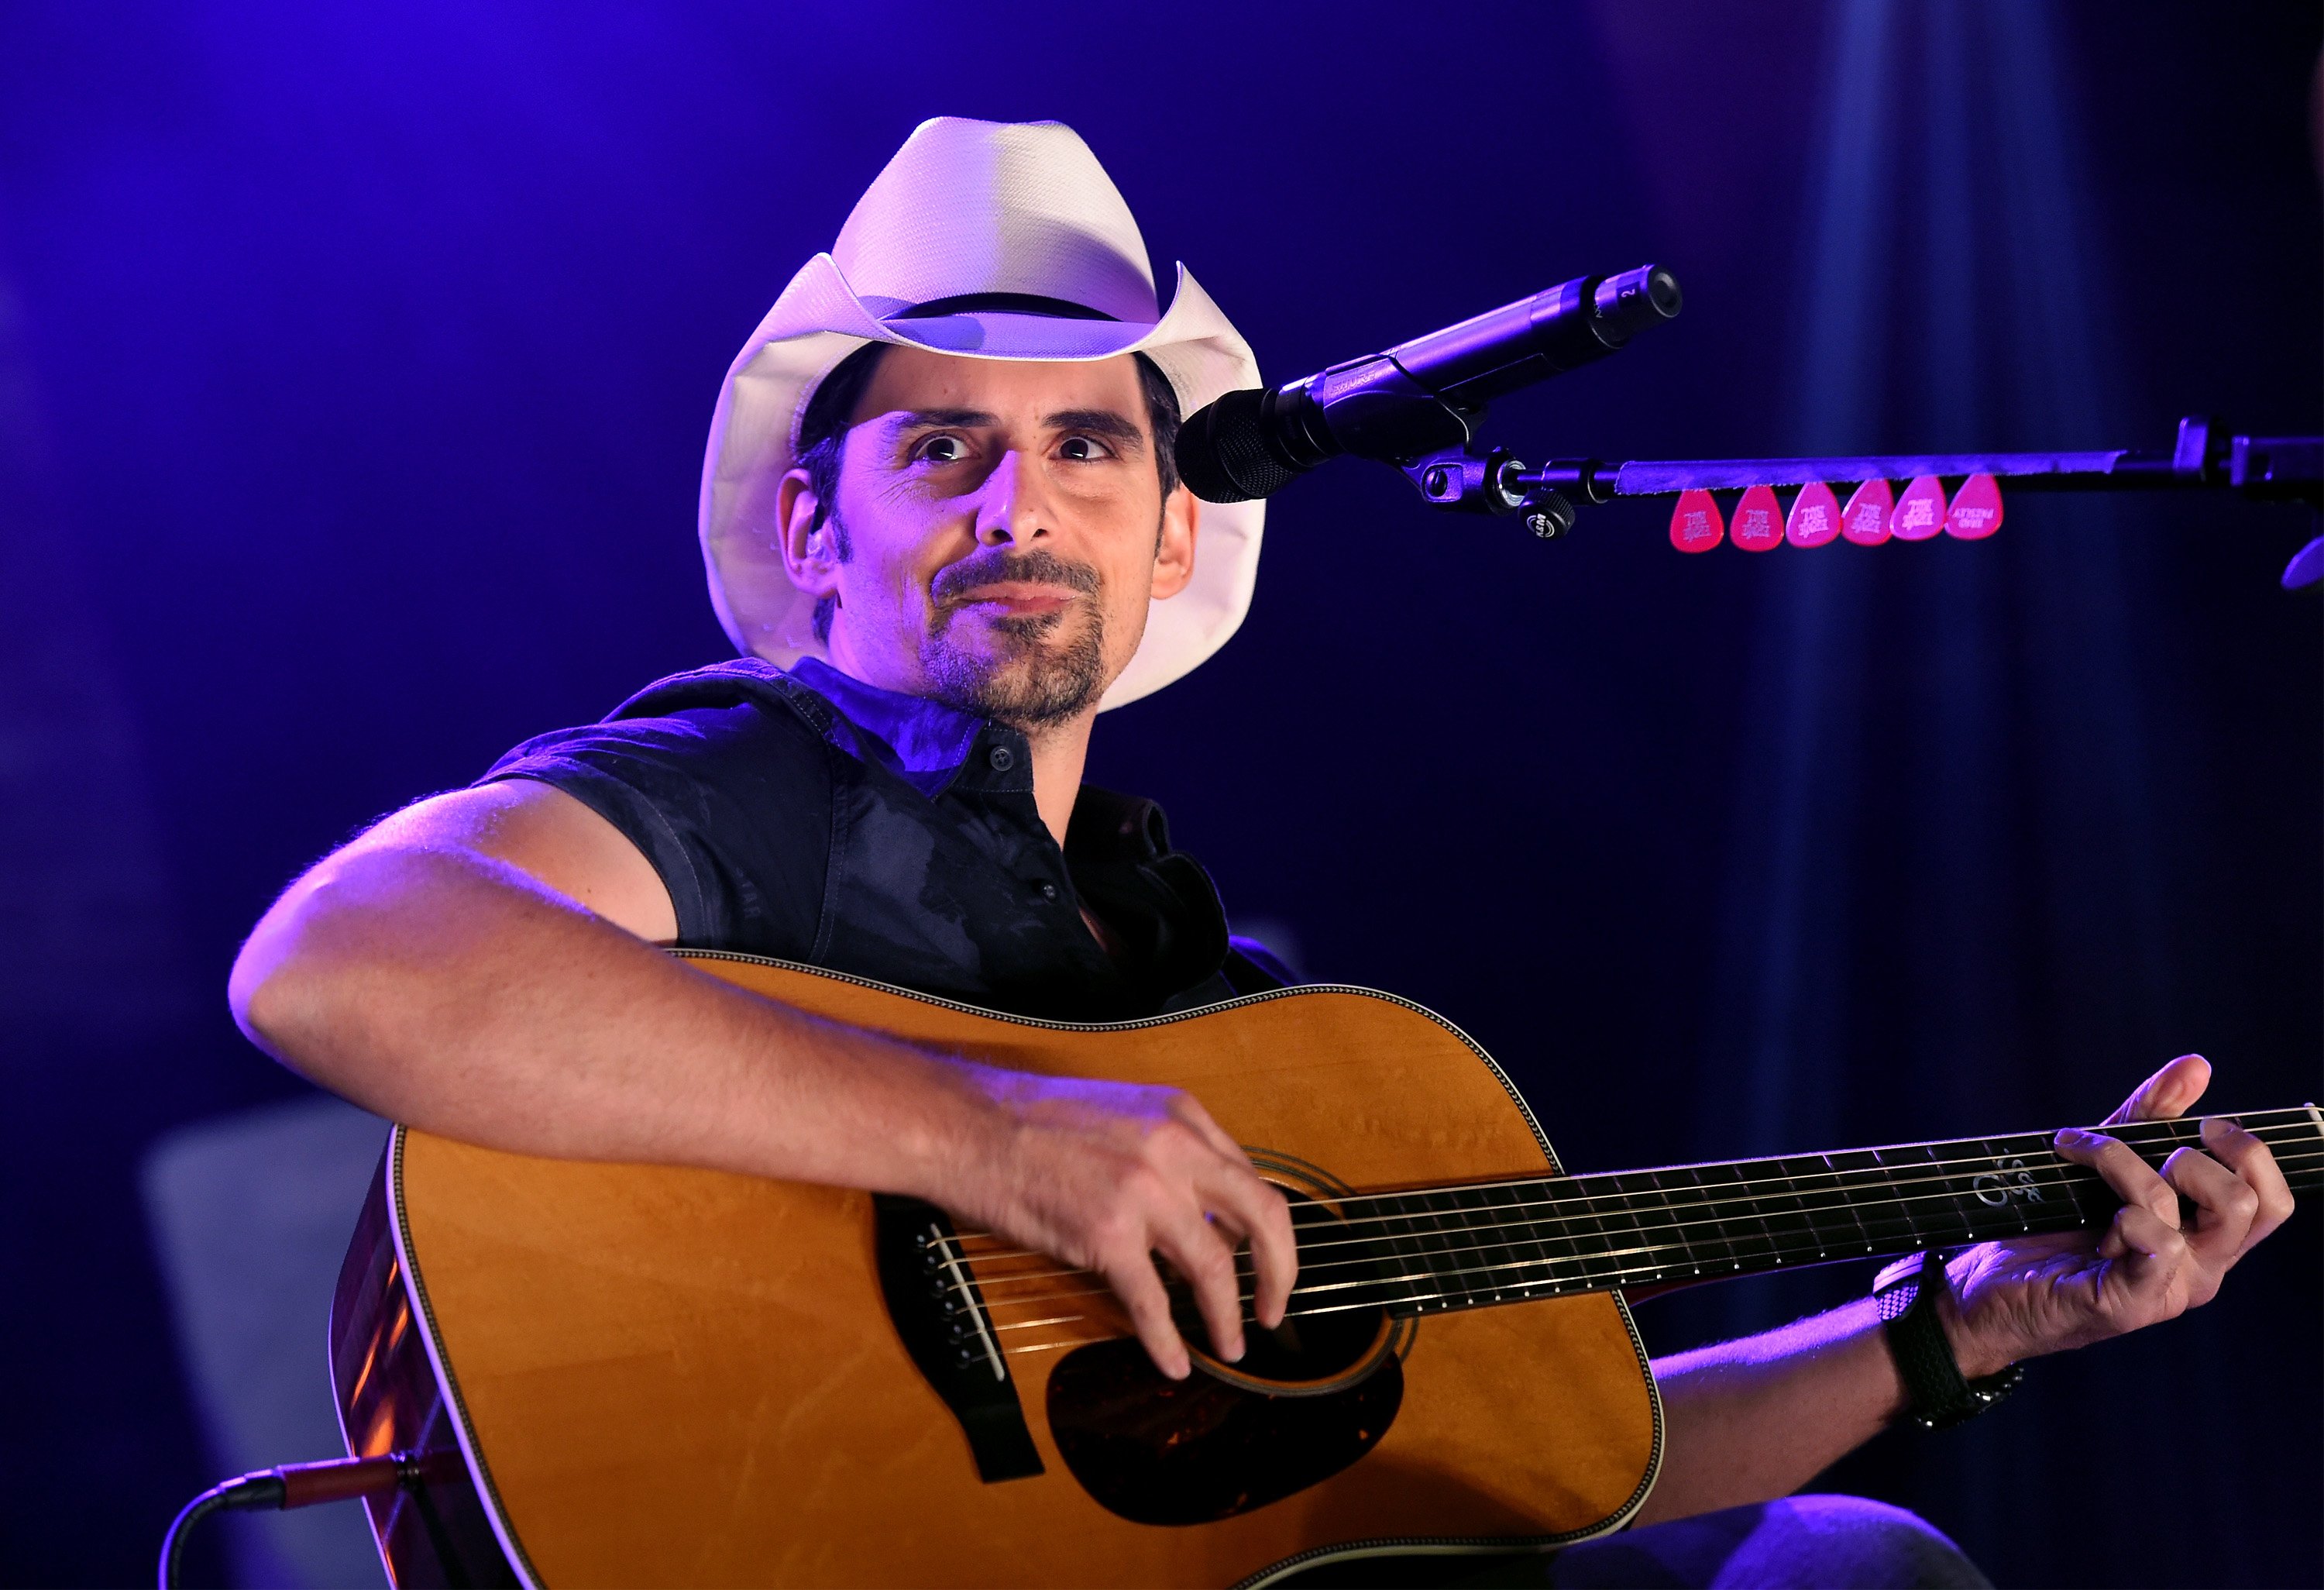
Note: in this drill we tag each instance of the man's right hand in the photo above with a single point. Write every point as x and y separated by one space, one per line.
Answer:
1106 1175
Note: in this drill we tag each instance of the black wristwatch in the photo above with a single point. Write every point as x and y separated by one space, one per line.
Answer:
1906 1293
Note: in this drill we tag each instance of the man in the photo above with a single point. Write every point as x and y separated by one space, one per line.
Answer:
940 513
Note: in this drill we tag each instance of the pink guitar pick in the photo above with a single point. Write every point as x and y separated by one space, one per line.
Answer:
1815 516
1864 519
1696 524
1921 511
1976 512
1758 522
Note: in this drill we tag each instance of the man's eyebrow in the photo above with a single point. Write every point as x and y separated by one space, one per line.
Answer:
962 418
1102 422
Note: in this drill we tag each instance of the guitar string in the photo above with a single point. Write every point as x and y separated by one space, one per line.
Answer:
1562 1193
1684 1230
1566 1189
1646 1216
1312 1275
1784 1249
1563 1284
1641 1214
1310 1284
1555 1286
1537 1227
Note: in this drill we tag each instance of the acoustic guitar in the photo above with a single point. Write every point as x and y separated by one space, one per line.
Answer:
632 1375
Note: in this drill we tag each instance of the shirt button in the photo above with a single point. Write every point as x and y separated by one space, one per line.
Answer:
1048 891
1001 758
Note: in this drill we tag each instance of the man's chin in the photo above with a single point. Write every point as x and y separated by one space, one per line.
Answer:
1026 682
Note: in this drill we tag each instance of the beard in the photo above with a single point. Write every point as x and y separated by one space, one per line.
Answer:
1024 676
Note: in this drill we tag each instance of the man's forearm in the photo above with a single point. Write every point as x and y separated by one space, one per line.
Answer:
454 992
1759 1418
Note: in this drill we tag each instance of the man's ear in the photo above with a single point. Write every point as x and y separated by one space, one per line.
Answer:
1174 555
807 555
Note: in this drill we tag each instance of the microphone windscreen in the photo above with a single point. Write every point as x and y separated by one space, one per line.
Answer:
1222 451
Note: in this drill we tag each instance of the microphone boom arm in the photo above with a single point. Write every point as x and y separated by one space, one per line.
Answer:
2263 468
2267 468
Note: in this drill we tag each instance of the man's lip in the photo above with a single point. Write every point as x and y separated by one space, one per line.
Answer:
1017 594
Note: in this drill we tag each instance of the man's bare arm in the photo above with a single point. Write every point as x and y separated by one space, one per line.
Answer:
480 966
1752 1420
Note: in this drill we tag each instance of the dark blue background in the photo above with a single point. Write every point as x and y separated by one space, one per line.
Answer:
354 363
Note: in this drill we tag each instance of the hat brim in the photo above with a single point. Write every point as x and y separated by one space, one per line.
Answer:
819 321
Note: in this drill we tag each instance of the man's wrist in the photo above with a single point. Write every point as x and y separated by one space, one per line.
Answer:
964 1136
1979 1358
917 1123
1925 1333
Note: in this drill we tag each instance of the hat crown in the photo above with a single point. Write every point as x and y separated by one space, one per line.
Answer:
969 207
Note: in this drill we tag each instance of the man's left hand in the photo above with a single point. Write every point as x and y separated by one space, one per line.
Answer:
2042 1294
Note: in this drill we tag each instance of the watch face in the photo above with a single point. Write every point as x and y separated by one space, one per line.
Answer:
1905 1272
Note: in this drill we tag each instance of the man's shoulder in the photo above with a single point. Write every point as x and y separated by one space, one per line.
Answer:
745 715
721 780
744 682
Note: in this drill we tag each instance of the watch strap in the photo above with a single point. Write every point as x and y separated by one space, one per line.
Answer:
1937 1395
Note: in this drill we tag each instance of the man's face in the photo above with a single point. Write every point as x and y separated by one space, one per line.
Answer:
1004 527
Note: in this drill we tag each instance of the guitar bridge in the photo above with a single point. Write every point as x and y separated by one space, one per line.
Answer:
935 1305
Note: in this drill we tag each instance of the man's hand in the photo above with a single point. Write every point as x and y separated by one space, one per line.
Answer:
1761 1417
1105 1175
2042 1294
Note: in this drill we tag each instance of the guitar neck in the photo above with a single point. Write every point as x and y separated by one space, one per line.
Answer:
1432 1250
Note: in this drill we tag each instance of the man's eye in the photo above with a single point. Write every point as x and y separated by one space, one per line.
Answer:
941 450
1083 449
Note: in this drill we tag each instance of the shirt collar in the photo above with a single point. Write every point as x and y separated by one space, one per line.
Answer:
924 742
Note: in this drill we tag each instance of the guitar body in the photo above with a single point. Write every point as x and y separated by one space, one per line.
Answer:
663 1376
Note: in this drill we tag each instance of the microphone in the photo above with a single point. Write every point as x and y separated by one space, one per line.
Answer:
1419 398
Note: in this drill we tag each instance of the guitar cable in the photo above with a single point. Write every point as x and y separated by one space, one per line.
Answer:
293 1485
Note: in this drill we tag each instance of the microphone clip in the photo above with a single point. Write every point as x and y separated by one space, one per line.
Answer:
1462 480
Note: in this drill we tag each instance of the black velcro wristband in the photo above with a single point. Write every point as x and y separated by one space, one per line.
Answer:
1938 1397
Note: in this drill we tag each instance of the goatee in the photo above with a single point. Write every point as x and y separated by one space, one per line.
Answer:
1024 683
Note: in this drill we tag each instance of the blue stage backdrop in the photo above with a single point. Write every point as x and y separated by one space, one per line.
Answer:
355 366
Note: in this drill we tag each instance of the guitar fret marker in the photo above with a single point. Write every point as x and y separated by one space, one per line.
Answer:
2007 1179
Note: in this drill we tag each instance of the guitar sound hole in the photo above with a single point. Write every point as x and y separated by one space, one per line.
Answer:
1300 1351
1158 1451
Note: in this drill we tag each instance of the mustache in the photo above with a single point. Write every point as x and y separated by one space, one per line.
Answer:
993 565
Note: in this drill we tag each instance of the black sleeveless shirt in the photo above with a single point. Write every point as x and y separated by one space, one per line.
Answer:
804 815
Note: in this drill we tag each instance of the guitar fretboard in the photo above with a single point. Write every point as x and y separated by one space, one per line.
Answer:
1432 1250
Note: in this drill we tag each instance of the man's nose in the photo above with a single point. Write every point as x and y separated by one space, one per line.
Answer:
1012 507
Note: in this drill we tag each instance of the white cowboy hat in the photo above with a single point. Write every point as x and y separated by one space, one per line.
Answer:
965 209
